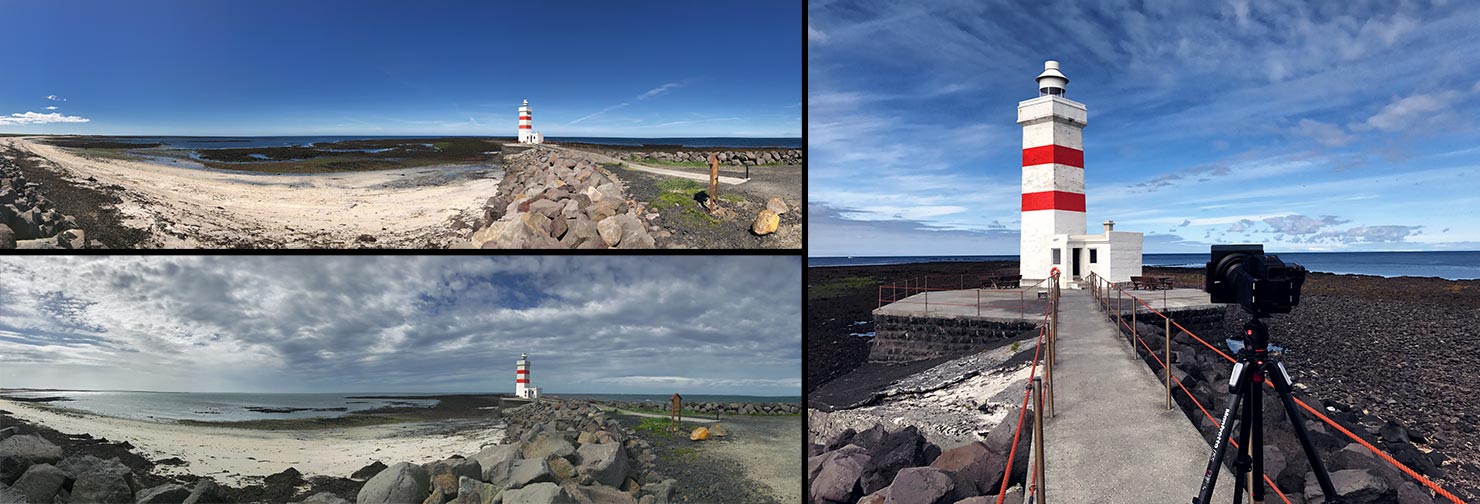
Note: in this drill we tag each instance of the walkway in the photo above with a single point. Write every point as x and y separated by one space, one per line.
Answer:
702 177
1112 439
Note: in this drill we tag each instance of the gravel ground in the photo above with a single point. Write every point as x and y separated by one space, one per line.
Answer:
712 475
784 182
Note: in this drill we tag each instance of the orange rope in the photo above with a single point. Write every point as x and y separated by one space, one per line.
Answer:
1023 411
1410 472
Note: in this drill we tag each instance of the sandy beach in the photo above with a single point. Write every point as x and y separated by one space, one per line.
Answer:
189 207
238 456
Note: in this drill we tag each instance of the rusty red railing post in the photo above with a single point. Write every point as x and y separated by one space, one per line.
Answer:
1038 435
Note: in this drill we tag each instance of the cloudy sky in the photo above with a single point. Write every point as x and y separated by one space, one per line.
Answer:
1339 126
696 325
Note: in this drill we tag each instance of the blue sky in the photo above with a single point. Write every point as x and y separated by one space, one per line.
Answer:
634 69
644 325
1338 126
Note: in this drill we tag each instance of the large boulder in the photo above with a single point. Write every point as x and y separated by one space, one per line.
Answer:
77 465
527 471
547 445
34 448
597 494
368 471
472 491
897 450
838 477
102 488
206 491
7 237
40 482
927 485
400 483
496 462
12 467
324 498
776 205
976 463
1000 441
717 430
562 469
606 463
1355 486
765 223
699 434
169 493
538 493
445 473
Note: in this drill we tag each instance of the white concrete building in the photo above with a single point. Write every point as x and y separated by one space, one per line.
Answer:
526 126
521 380
1053 222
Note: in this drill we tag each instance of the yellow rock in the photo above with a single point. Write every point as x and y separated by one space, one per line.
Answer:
765 223
699 434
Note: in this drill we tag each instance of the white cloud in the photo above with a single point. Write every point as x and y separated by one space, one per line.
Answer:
39 118
1329 135
815 35
55 98
662 90
1407 112
53 107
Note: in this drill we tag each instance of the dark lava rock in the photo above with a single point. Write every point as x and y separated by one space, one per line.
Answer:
368 471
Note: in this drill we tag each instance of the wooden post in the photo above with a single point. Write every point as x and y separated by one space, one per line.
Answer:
1038 434
714 181
1167 358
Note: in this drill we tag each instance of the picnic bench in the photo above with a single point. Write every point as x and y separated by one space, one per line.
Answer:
1000 281
1151 283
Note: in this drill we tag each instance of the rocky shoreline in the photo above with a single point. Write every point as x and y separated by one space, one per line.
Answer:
552 452
560 200
750 157
30 221
722 408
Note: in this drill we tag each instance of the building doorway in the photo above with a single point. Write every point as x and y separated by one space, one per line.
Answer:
1075 262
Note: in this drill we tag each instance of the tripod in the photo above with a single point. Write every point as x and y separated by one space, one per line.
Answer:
1245 387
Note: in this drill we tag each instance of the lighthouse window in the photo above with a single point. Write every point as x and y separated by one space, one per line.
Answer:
1056 257
1093 255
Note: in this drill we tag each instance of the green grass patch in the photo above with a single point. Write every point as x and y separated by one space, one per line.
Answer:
839 287
732 198
682 454
676 197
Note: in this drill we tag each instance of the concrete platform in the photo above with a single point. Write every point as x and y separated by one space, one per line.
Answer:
1163 300
989 304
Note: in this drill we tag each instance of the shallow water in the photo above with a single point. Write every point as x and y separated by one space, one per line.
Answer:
214 406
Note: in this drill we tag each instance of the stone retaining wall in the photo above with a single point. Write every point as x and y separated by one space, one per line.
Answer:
905 338
730 157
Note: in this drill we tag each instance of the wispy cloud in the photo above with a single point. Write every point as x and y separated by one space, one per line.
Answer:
662 90
815 35
599 112
39 118
55 98
51 107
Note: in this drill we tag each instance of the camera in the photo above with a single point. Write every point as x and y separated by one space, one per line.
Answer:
1261 284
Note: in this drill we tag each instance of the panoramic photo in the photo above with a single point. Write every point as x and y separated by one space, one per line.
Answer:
1247 225
453 379
276 124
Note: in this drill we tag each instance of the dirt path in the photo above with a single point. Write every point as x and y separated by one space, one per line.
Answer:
195 207
667 172
768 450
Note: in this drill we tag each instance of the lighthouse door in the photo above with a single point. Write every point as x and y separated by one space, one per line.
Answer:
1075 262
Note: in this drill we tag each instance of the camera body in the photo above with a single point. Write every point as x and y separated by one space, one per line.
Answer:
1261 284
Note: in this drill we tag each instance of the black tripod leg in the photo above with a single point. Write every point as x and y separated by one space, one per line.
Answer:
1241 462
1256 443
1282 385
1236 383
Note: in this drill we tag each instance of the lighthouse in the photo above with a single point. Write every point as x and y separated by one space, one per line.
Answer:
521 380
1053 208
527 135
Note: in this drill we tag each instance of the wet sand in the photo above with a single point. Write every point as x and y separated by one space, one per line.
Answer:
184 207
239 456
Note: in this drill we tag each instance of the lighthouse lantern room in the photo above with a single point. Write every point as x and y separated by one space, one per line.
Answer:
1053 219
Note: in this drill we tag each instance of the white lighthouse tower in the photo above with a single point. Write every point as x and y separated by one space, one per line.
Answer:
1053 218
526 125
521 380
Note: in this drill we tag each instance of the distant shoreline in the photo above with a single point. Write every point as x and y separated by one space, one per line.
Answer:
1445 264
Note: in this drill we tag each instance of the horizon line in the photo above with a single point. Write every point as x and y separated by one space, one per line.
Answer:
395 135
6 389
1165 253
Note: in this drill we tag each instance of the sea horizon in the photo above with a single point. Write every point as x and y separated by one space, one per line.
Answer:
1446 264
248 141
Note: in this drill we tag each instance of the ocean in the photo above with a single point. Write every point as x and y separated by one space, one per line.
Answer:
160 406
1452 265
190 142
157 406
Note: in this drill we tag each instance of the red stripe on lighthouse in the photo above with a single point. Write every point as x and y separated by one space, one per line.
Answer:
524 118
1053 200
525 126
522 371
521 380
1053 154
